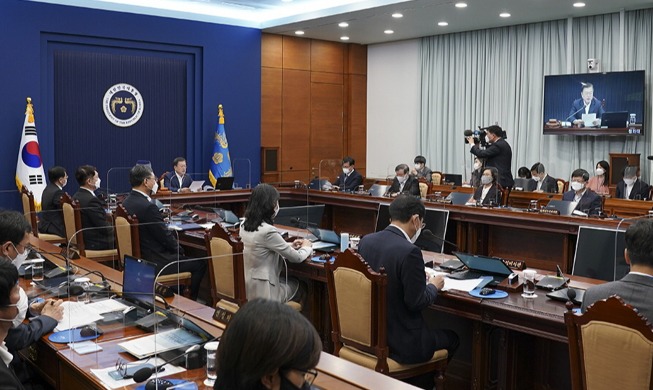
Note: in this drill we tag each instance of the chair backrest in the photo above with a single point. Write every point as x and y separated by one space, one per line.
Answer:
610 346
505 194
226 267
357 299
29 210
162 180
127 234
72 220
563 185
424 187
436 178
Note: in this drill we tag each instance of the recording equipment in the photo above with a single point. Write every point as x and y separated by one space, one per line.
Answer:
146 372
650 157
478 134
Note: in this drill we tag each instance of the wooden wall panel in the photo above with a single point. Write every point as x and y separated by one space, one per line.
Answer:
327 78
296 120
296 53
327 125
271 50
271 107
357 119
327 56
290 176
357 59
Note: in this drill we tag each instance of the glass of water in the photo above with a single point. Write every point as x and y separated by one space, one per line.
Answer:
37 270
529 283
211 357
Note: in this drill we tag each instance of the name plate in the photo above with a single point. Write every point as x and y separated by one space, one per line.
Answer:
224 310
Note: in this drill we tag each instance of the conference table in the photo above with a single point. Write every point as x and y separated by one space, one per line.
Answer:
516 343
63 368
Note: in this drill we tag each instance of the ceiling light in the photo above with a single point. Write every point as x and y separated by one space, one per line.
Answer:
389 32
345 38
579 5
443 24
397 15
504 15
343 24
299 32
460 4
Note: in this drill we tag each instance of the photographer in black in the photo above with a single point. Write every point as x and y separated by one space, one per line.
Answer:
497 154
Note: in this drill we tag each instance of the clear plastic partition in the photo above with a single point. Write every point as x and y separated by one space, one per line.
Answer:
242 169
328 172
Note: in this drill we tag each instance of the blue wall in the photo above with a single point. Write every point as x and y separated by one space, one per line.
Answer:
227 71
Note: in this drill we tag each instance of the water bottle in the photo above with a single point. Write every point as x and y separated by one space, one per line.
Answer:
633 118
344 241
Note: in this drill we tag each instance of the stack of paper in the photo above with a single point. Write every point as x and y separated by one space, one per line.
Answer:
77 314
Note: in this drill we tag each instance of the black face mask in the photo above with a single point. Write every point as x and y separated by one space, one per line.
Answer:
288 385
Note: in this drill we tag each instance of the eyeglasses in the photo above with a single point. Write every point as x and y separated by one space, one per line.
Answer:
309 375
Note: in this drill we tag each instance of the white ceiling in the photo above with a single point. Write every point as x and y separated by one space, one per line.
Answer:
368 19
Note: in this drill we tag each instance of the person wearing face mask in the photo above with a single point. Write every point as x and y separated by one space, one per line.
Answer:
94 216
588 201
631 187
264 248
477 172
158 244
545 183
349 179
601 181
488 194
410 339
498 154
421 170
9 297
279 353
51 216
403 183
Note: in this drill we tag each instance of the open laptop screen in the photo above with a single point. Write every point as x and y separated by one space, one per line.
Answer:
138 280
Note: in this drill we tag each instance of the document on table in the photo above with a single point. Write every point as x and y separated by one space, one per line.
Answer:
454 284
160 342
108 382
77 314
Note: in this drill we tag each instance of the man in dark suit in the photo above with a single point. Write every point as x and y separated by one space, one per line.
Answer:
636 288
403 183
409 338
545 183
178 180
631 187
99 235
349 179
589 202
158 244
498 154
51 216
9 297
587 104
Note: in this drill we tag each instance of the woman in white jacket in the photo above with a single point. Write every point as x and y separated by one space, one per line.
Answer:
263 249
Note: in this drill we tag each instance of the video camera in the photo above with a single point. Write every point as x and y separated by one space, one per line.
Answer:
480 133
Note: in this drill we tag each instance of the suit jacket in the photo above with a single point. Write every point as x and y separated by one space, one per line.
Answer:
634 289
171 181
158 244
351 182
94 216
28 333
262 252
51 216
411 186
407 293
590 201
8 380
548 185
493 196
577 109
640 190
499 156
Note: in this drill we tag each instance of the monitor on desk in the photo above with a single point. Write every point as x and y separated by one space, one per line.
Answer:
300 216
138 281
600 254
224 183
435 219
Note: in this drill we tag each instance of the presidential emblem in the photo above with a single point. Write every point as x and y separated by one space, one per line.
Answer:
123 105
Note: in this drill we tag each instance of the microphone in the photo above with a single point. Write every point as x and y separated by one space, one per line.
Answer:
650 157
297 221
574 114
468 133
428 235
145 373
571 294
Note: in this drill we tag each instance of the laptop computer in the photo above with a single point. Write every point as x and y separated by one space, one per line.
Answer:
196 185
138 282
327 240
459 198
452 178
615 119
479 266
224 183
317 184
227 217
377 190
564 207
522 184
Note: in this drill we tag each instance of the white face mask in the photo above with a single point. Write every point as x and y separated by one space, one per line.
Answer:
97 183
485 180
576 186
155 188
477 165
418 166
487 139
416 235
600 171
629 182
20 257
276 210
345 171
22 305
402 179
536 178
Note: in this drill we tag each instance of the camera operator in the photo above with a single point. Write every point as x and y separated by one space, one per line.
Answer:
497 154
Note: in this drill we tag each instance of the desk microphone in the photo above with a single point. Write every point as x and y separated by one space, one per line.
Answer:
428 235
145 373
296 221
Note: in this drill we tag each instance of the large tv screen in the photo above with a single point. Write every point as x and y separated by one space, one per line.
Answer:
610 103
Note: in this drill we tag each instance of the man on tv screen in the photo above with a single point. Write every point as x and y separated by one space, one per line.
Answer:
586 105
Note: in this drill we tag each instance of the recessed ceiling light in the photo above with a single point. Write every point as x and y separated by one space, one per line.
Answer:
345 38
343 24
389 32
579 5
460 4
443 24
397 15
299 32
504 15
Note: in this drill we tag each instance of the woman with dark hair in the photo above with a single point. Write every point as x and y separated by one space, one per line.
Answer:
477 172
488 193
280 352
264 250
601 181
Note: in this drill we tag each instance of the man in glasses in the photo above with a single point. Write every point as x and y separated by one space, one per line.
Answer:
9 296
